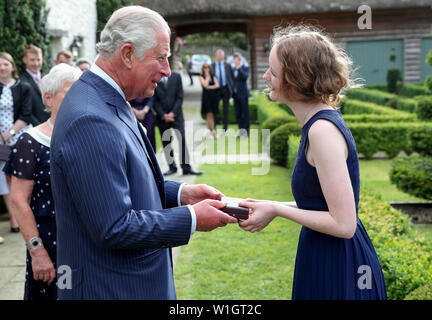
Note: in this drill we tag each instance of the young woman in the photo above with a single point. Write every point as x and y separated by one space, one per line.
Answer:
335 257
15 113
209 101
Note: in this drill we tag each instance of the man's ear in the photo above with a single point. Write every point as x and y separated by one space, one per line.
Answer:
47 99
127 55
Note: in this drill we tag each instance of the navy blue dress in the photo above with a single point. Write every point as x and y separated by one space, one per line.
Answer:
30 160
328 267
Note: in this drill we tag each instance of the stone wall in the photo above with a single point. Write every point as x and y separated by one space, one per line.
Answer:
70 18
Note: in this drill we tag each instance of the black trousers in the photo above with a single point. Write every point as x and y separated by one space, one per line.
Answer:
224 94
167 137
241 106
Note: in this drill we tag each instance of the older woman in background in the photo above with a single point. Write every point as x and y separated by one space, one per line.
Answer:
31 195
15 112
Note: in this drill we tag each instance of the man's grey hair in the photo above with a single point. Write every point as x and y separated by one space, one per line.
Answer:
58 76
133 24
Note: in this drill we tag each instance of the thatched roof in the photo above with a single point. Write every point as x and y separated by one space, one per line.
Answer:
169 8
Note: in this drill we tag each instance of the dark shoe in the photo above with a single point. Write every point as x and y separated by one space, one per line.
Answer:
170 171
192 171
15 230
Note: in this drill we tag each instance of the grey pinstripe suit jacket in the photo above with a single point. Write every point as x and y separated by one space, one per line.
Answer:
116 216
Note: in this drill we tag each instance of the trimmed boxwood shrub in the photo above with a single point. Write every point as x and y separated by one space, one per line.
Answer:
405 256
424 107
352 106
275 122
370 138
380 87
393 77
231 115
414 89
293 146
421 140
278 141
267 109
413 175
370 95
421 293
378 118
383 98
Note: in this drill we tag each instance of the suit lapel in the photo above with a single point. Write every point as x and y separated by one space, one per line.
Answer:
124 112
31 81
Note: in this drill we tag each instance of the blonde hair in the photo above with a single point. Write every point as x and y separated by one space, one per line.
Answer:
31 48
313 67
8 57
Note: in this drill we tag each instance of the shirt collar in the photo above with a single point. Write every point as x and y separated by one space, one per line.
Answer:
34 75
98 71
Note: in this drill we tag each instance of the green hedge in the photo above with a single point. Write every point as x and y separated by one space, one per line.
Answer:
370 138
372 112
413 175
293 146
275 122
421 140
231 113
383 98
421 293
267 109
414 89
424 108
404 255
279 141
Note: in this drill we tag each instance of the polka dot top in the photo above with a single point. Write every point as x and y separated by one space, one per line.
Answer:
30 160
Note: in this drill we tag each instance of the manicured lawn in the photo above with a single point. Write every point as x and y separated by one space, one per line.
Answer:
229 263
232 145
374 175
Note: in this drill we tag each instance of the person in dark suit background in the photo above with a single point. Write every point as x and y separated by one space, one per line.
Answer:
142 108
117 217
223 73
168 101
33 61
241 95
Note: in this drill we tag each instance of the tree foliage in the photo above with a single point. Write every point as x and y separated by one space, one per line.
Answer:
224 39
105 8
22 23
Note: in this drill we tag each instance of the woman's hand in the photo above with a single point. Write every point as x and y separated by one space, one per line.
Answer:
263 212
6 136
43 268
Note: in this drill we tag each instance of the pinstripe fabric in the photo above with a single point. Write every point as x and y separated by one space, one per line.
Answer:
116 217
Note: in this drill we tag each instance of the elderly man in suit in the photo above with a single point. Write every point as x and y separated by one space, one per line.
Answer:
223 72
116 216
32 75
168 100
241 95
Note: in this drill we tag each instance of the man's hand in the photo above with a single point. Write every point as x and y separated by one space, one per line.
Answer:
208 217
169 117
194 193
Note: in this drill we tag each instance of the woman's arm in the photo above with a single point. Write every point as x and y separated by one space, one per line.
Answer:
216 84
17 126
204 82
21 191
327 151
